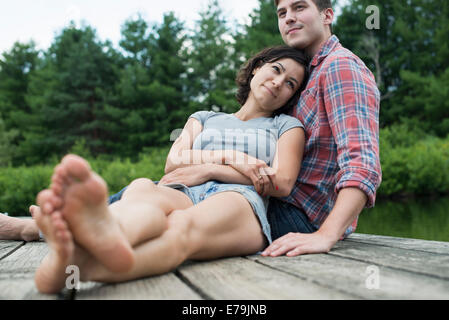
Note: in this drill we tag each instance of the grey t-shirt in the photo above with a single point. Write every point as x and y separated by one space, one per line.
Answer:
256 137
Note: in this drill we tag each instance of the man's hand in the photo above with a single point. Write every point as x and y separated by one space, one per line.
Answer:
190 176
349 204
294 244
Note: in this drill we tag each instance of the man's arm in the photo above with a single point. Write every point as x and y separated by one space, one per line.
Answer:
352 102
352 107
350 202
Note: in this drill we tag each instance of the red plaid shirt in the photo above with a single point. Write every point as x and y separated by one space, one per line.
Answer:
340 111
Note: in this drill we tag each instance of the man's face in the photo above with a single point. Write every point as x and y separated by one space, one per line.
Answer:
302 25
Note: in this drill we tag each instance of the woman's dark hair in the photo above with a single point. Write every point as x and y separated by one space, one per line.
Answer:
269 55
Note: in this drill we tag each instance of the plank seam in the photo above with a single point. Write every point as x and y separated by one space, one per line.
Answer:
14 250
389 266
395 247
192 286
307 279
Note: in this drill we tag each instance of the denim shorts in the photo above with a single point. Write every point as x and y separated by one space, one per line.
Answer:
205 190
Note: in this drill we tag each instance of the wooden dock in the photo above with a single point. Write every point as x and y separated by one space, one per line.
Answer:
361 267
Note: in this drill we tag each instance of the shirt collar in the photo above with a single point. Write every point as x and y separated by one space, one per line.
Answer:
325 50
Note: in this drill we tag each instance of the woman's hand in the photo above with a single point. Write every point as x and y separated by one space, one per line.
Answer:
261 175
190 176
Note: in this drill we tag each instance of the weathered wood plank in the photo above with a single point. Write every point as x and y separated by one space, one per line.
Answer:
439 247
25 260
23 288
17 272
8 246
353 277
164 287
427 263
239 278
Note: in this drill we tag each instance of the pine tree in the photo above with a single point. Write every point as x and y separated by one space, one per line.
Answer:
16 68
69 94
262 32
211 70
167 74
151 87
7 150
407 53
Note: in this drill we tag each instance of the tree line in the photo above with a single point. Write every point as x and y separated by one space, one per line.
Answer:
83 93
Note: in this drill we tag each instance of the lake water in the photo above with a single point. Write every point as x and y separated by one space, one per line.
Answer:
417 218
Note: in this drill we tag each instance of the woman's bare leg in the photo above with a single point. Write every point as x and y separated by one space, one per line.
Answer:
81 197
222 225
142 211
78 193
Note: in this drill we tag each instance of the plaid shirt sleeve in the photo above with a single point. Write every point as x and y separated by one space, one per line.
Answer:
352 103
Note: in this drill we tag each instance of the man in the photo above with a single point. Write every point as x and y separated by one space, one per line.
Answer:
339 108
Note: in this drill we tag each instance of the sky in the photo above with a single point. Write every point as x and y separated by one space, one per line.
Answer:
41 20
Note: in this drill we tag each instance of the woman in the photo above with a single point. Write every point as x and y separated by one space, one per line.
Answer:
153 228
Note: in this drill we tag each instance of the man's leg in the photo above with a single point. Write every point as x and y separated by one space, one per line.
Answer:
285 217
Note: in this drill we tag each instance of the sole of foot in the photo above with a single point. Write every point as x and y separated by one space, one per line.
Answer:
51 275
81 197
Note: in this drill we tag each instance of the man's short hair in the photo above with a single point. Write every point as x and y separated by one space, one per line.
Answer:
320 4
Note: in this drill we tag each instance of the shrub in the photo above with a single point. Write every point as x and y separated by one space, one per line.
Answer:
19 186
412 163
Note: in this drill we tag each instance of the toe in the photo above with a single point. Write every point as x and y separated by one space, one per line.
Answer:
32 209
57 188
76 167
44 201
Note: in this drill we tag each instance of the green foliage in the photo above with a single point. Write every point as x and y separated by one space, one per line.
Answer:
409 55
413 163
211 69
86 97
262 31
427 101
80 148
6 147
16 69
20 186
68 95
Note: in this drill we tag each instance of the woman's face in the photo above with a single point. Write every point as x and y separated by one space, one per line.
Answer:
274 83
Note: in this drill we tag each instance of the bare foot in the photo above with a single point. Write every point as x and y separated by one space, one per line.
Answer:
12 228
81 197
51 275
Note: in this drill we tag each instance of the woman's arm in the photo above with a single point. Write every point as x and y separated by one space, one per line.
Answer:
278 180
182 155
232 166
197 174
193 167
